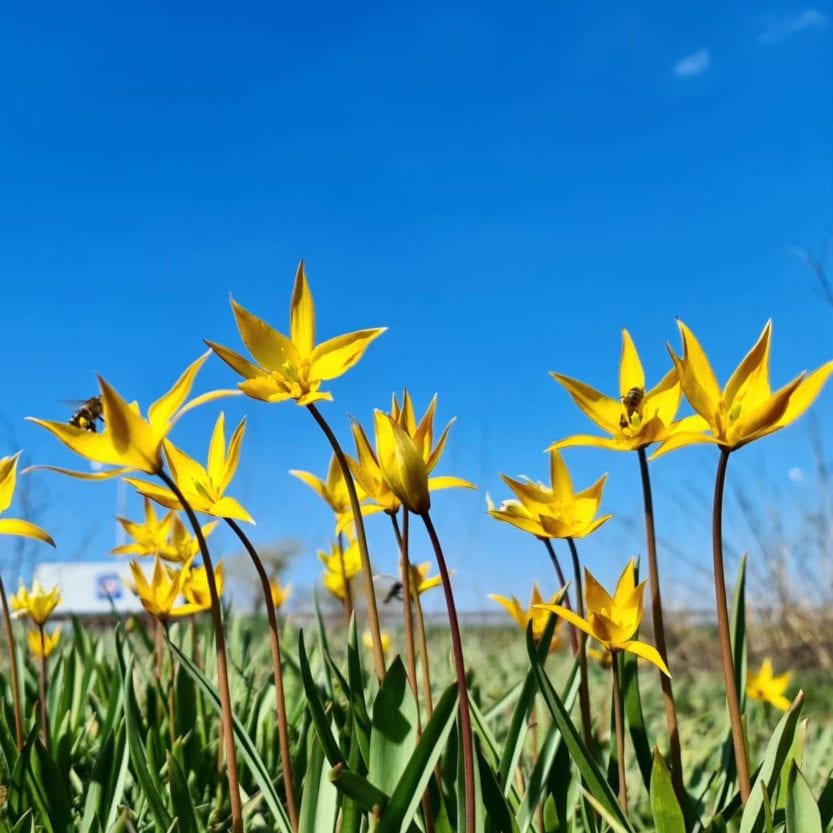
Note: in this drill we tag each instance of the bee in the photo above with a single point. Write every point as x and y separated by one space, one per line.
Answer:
89 413
631 400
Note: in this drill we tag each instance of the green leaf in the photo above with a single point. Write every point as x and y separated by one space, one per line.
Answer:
316 708
498 816
183 804
394 729
776 752
668 817
635 719
405 798
359 789
588 767
319 803
802 814
245 747
738 631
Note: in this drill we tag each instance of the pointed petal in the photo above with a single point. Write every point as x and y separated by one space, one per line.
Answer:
233 456
402 465
302 314
562 483
696 376
570 617
269 348
631 374
752 375
315 483
266 389
161 412
8 480
680 441
663 400
648 652
805 394
217 451
83 475
235 361
764 419
448 482
163 497
512 607
337 355
596 597
24 529
603 410
185 470
589 441
202 399
228 507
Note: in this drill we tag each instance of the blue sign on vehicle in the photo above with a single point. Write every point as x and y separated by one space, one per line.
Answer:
109 586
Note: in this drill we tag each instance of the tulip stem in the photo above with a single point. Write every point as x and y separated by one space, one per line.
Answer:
659 632
277 671
348 592
467 739
407 613
18 711
227 722
171 686
584 688
361 538
732 699
563 582
44 712
619 720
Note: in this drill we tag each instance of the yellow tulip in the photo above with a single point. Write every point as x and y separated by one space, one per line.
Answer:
534 614
203 487
387 642
554 511
13 526
767 688
613 620
421 581
130 441
150 537
746 409
182 546
159 596
38 602
421 433
293 367
195 585
340 567
279 593
42 648
638 417
333 491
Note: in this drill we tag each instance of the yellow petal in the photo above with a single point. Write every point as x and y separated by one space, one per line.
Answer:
236 362
617 443
448 482
302 314
8 480
402 465
107 474
337 355
266 389
233 455
642 649
680 441
764 419
752 375
570 617
805 394
217 450
631 374
603 410
562 483
202 399
162 496
161 411
696 376
185 470
596 597
663 400
512 607
24 529
270 348
228 507
134 441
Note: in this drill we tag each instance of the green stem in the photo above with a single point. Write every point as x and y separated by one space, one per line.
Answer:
584 687
407 617
277 672
44 712
227 717
732 699
619 720
467 738
563 582
361 538
659 632
348 592
18 710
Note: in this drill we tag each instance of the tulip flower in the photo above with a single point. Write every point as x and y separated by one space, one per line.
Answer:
421 582
279 593
159 596
42 643
534 614
195 584
340 567
130 441
204 487
554 511
746 409
767 688
421 433
613 620
37 603
637 417
294 367
13 526
150 537
387 642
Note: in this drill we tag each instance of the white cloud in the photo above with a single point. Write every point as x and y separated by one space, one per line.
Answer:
795 474
780 28
694 64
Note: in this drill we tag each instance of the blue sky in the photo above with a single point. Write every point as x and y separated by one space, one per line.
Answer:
504 186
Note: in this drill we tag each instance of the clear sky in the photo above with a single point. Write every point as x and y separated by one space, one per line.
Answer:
505 186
